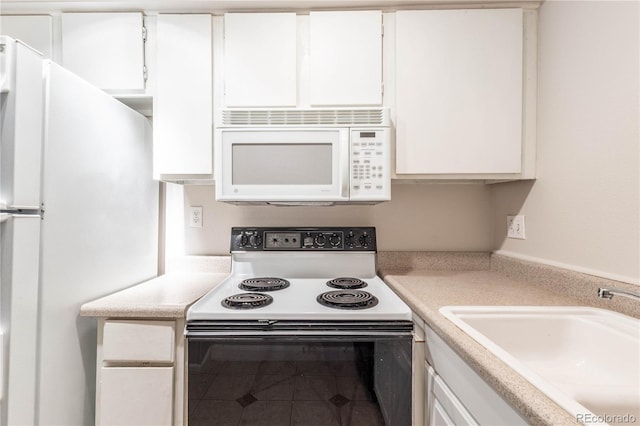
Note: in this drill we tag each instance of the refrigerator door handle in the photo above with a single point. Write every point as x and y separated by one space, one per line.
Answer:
6 215
6 212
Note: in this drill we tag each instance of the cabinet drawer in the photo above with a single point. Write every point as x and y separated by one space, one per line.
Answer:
130 341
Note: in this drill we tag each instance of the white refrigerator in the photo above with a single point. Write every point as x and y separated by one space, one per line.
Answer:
79 220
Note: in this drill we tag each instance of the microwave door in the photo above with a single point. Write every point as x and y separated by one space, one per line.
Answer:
283 165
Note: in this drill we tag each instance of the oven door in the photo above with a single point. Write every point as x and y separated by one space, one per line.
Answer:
329 373
270 165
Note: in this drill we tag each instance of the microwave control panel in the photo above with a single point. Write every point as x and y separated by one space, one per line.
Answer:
370 177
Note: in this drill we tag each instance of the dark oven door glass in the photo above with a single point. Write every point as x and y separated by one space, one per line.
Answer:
300 380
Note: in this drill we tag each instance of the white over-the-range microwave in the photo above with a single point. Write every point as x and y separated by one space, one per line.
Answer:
318 156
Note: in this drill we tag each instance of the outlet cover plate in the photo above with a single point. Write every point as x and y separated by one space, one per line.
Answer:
195 217
515 227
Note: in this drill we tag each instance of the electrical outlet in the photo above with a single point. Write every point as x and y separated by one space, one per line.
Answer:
195 217
515 227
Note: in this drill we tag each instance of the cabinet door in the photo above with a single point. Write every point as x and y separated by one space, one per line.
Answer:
106 49
459 91
260 59
450 404
135 396
439 416
182 103
345 58
34 30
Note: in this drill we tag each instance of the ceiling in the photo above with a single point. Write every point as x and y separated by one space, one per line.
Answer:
220 6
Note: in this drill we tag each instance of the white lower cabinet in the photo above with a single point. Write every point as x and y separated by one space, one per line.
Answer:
440 417
443 407
136 396
453 393
140 373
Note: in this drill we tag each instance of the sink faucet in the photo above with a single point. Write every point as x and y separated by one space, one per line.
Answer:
607 293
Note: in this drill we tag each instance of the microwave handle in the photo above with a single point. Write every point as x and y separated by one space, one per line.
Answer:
346 164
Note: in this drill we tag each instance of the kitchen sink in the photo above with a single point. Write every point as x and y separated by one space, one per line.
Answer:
585 359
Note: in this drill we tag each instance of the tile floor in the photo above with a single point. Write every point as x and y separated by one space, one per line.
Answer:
281 393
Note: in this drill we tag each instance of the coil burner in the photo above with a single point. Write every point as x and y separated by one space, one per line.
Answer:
264 284
247 301
347 299
346 283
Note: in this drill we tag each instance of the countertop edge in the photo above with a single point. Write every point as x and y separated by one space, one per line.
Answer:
137 311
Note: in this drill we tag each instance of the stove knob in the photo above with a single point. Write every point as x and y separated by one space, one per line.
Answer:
335 240
320 240
255 240
243 240
350 239
364 240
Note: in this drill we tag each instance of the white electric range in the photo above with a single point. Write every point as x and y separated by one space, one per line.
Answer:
300 297
302 274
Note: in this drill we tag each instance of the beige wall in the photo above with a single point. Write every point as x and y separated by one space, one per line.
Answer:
419 217
582 212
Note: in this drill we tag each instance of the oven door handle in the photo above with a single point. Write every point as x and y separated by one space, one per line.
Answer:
267 328
296 335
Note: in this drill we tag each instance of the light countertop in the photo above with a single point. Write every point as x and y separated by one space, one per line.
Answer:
426 291
167 296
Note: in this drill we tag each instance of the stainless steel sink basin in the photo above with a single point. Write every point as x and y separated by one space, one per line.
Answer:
586 359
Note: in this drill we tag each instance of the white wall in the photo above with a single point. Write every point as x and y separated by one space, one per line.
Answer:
449 217
582 212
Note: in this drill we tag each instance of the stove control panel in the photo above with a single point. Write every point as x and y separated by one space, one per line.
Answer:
303 239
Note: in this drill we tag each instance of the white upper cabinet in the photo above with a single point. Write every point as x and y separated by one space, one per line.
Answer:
106 49
182 102
260 59
459 92
34 30
345 58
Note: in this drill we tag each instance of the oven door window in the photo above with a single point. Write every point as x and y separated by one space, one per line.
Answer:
305 382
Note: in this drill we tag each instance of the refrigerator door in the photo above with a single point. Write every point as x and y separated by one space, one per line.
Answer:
99 232
19 267
21 89
21 123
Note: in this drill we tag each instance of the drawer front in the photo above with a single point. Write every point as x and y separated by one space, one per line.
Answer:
138 341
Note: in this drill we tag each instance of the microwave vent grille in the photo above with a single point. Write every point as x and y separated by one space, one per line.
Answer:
305 117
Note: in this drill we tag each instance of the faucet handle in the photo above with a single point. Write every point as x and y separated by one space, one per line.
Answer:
604 293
